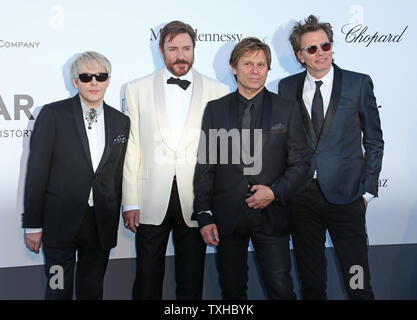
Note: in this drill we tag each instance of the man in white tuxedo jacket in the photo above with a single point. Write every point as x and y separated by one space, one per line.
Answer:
165 110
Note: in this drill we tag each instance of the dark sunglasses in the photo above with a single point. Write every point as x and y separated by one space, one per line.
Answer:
87 77
325 46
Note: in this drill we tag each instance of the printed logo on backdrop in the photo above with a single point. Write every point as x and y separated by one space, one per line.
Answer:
18 44
383 183
362 34
20 110
356 31
56 22
204 37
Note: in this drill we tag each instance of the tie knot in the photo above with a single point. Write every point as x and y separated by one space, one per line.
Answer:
91 116
319 83
250 106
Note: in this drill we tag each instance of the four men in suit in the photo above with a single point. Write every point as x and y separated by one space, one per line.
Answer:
340 118
165 109
256 150
236 201
74 181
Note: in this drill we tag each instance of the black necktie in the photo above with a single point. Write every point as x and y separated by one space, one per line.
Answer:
182 83
317 112
246 124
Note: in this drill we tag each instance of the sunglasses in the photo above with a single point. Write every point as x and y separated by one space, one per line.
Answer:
325 46
87 77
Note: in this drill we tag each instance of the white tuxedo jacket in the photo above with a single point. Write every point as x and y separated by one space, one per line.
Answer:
152 158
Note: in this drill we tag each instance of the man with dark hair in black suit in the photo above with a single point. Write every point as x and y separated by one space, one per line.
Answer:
243 195
338 108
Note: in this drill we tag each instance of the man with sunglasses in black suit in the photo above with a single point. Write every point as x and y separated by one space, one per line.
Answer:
74 182
337 107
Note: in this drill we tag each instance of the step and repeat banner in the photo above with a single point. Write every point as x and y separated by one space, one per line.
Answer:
39 40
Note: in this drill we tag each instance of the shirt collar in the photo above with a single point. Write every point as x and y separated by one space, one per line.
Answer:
188 76
327 79
85 108
257 100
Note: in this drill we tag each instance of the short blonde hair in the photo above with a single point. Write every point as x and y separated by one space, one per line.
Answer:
88 57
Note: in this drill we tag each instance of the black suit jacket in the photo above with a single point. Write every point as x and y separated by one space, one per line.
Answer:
285 159
343 171
60 174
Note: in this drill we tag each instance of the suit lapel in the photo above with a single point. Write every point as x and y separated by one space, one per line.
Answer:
79 125
233 111
334 102
161 111
231 123
266 111
266 117
304 112
108 128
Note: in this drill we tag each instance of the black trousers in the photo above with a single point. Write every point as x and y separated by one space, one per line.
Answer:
190 251
91 265
272 253
311 215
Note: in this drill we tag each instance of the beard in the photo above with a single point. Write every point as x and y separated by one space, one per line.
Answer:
177 70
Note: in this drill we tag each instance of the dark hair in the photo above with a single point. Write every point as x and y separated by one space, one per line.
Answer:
249 44
174 28
310 24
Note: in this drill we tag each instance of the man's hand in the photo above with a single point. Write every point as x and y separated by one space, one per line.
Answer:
210 234
262 197
131 219
33 241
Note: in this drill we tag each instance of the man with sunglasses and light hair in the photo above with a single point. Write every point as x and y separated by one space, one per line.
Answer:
338 108
74 182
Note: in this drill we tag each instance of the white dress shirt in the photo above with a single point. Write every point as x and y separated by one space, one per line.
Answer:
96 142
325 89
326 92
177 102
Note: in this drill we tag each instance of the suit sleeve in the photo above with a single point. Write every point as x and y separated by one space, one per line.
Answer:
298 159
41 150
372 136
204 174
130 187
